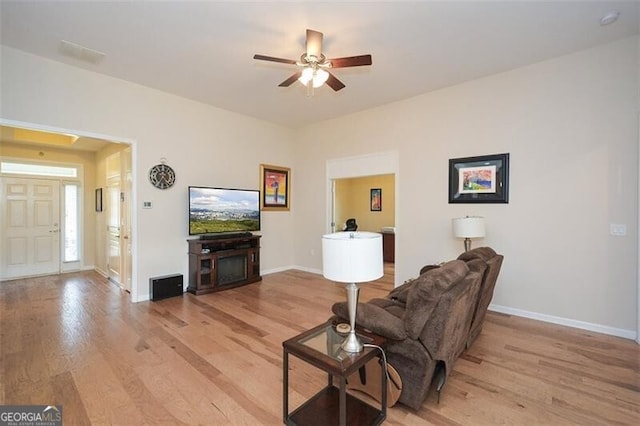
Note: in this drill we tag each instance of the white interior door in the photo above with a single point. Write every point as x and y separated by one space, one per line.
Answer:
333 205
30 223
125 221
114 255
113 230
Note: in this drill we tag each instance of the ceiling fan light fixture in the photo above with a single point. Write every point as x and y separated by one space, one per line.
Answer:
313 65
318 77
307 74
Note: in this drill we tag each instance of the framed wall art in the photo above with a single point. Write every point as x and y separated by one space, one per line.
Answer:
375 199
275 187
483 179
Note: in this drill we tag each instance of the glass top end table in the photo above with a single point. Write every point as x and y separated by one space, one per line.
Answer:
321 347
328 341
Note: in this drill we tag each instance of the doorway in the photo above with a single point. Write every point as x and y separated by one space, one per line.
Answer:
362 170
369 201
29 141
355 198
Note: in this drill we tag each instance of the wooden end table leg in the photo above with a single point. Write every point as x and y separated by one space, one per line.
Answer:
343 401
285 385
384 389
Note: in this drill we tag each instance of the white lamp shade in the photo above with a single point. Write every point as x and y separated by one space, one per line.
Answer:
468 227
352 257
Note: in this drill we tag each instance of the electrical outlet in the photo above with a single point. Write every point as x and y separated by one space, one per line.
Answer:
618 230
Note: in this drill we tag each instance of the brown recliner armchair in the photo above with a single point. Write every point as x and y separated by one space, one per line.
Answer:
426 321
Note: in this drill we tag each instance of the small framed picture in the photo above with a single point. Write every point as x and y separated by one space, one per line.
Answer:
483 179
275 187
99 199
376 199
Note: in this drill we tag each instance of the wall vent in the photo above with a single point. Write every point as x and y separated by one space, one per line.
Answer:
166 286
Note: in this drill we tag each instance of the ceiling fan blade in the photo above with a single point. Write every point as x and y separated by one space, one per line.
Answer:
334 83
351 61
314 43
288 82
272 59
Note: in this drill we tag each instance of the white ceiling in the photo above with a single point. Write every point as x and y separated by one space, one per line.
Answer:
203 50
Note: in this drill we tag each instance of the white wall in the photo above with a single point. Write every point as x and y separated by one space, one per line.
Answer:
204 145
570 125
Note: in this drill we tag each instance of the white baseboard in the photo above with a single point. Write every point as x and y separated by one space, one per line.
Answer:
309 270
274 270
101 272
288 268
612 331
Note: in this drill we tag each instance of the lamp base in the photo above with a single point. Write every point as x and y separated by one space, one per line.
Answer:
352 344
467 244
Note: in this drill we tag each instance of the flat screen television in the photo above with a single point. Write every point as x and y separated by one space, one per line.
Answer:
223 210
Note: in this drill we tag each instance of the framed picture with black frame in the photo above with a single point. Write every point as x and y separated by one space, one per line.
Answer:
482 179
375 199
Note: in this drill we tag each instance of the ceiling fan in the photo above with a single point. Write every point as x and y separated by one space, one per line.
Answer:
314 65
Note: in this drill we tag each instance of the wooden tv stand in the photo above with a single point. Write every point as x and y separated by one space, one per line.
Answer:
223 262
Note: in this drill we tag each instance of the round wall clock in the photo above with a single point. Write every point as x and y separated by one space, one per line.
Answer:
162 176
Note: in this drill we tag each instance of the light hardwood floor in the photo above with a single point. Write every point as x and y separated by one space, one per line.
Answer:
75 340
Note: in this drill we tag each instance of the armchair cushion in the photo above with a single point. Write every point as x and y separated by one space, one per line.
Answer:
425 293
400 293
374 318
493 263
484 253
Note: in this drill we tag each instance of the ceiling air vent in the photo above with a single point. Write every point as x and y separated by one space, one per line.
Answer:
80 52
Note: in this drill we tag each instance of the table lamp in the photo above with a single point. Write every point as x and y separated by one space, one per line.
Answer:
352 258
468 227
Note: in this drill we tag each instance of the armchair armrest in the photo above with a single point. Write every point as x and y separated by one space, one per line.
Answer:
373 318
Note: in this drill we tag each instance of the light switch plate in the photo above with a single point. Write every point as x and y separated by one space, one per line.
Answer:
147 204
618 230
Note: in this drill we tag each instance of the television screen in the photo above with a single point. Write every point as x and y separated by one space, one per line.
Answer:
215 210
